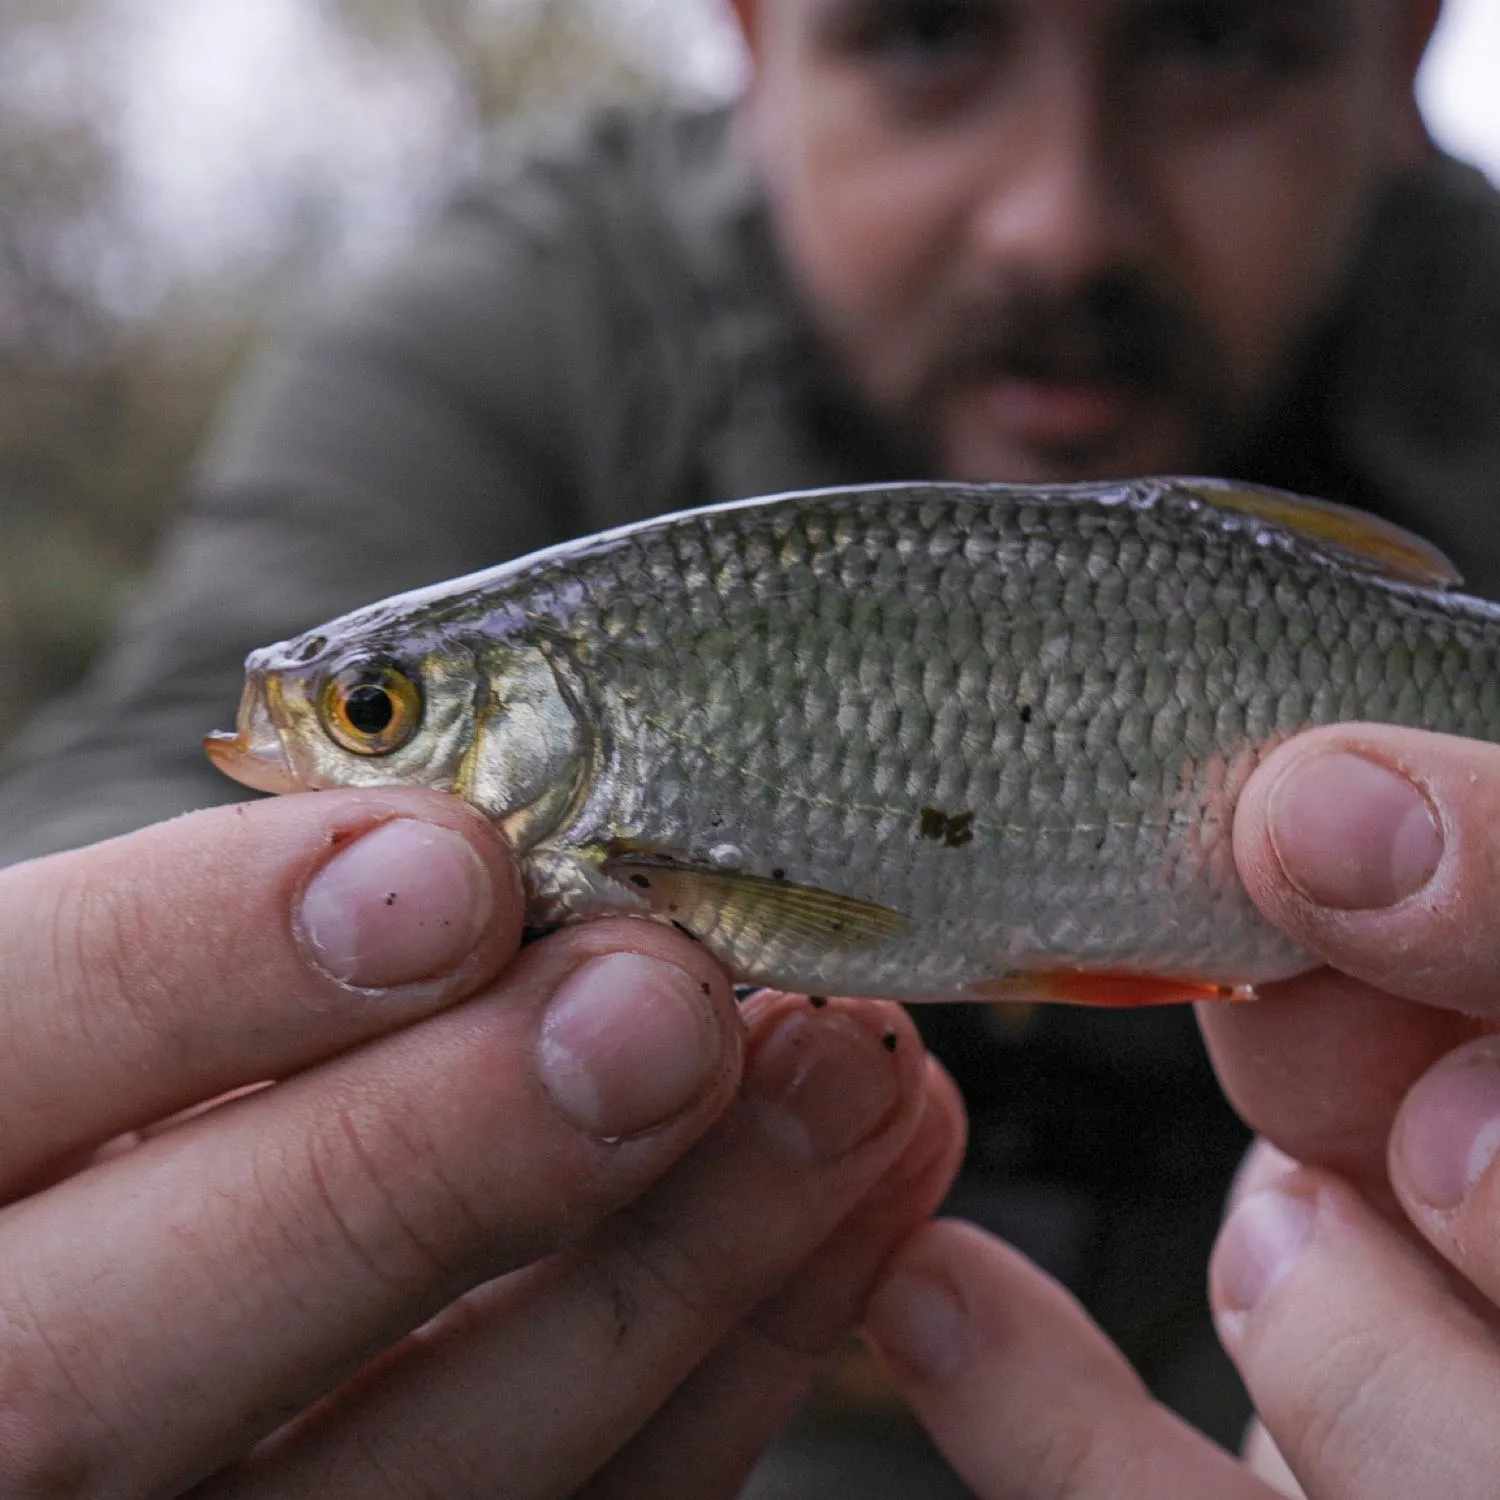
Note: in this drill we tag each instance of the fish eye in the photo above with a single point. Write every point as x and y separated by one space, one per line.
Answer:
371 709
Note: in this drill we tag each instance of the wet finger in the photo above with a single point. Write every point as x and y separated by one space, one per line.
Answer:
1370 1373
1378 848
588 1346
1025 1396
1443 1162
1321 1064
168 1308
145 975
706 1439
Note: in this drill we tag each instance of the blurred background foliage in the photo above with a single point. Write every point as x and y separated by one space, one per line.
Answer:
122 321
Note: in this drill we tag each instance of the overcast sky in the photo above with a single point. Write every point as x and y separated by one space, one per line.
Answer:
1460 82
267 97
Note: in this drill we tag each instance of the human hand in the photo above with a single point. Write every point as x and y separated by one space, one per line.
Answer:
1364 1321
1358 1293
500 1222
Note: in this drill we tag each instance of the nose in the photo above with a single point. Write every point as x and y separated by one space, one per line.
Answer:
1058 206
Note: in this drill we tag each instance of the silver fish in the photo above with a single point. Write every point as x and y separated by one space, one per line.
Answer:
912 741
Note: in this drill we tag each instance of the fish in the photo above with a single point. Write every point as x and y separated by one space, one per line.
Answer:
911 741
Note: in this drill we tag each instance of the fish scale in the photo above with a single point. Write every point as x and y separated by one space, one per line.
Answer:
909 741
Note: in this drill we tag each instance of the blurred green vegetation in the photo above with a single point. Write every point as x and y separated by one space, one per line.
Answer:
108 378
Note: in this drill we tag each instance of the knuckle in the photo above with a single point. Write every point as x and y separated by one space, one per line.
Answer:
105 965
385 1196
1344 1400
52 1439
1060 1461
35 1466
653 1267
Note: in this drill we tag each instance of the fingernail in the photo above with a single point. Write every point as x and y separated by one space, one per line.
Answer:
626 1043
1352 834
919 1323
1449 1130
818 1085
1257 1246
404 902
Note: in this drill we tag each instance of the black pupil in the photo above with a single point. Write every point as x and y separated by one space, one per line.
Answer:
370 708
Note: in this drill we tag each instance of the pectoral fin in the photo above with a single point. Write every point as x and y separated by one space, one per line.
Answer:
1366 541
747 913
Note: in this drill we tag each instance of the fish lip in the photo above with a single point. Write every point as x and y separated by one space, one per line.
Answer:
253 754
260 766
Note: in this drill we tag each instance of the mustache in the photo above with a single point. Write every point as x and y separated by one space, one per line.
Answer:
1115 329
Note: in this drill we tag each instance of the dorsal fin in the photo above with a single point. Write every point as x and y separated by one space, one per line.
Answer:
1365 541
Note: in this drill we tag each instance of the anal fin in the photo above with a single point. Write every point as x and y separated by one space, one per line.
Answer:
1115 991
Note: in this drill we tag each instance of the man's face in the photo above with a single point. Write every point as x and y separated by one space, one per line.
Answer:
1059 239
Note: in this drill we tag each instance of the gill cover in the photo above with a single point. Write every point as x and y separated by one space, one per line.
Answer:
533 750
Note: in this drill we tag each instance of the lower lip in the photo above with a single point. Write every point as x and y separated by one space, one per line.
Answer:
262 768
1053 414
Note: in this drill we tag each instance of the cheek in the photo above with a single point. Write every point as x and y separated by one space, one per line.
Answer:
1266 222
870 219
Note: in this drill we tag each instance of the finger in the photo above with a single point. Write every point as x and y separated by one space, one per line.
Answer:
588 1346
1442 1155
1377 848
1262 1457
1370 1374
167 1308
147 974
1025 1396
709 1435
1320 1065
1262 1167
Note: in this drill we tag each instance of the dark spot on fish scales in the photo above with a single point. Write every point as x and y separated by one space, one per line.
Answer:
778 873
707 988
1026 712
817 1001
953 830
960 830
391 899
641 881
890 1041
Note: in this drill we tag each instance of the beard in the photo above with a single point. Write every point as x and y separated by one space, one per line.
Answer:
1116 331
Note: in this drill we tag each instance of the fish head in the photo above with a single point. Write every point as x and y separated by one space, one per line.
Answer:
321 712
487 719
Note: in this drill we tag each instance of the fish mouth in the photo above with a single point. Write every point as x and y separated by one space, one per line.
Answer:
253 754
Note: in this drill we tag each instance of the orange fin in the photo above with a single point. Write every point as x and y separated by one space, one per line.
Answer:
754 908
1363 540
1123 991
